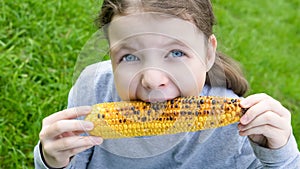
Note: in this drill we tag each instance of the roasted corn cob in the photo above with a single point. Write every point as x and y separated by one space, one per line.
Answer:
184 114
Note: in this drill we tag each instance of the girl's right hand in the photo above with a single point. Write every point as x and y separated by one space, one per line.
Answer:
60 136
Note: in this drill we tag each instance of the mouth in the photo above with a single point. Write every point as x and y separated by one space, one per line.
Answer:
158 96
153 100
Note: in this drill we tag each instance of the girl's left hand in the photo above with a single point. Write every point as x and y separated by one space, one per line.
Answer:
266 121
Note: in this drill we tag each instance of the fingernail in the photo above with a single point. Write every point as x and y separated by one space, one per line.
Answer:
240 127
244 103
244 119
97 140
87 108
88 125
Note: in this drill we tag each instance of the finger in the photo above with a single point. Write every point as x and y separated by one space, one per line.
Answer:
64 126
269 103
267 130
253 99
71 113
275 137
260 103
68 143
269 118
73 133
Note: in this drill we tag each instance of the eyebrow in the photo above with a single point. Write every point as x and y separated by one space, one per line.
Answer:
123 45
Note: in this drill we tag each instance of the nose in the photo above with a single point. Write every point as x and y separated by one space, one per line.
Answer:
154 79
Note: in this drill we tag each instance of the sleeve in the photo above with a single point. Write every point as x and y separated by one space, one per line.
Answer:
38 160
287 156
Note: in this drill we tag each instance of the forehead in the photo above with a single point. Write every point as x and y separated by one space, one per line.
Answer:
123 28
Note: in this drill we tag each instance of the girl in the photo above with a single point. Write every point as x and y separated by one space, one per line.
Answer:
161 50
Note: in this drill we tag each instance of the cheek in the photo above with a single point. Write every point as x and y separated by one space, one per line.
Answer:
198 70
200 76
189 77
126 82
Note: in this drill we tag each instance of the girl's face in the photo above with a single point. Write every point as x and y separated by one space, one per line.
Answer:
157 58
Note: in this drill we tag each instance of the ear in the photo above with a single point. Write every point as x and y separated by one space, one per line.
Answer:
211 52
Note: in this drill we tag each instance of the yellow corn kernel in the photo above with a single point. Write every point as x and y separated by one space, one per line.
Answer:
184 114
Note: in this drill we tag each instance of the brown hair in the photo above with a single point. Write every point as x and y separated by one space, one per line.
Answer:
201 13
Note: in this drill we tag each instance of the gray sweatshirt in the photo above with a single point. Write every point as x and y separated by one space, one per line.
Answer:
221 148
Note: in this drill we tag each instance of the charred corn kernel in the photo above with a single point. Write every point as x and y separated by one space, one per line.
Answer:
185 114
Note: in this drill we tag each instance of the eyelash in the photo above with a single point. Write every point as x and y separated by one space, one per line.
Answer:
176 51
123 58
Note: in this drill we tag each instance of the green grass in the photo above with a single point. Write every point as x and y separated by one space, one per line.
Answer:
40 42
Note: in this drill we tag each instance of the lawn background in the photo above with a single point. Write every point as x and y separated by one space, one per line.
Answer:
40 41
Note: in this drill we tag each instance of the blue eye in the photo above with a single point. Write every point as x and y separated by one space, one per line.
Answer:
176 53
129 58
